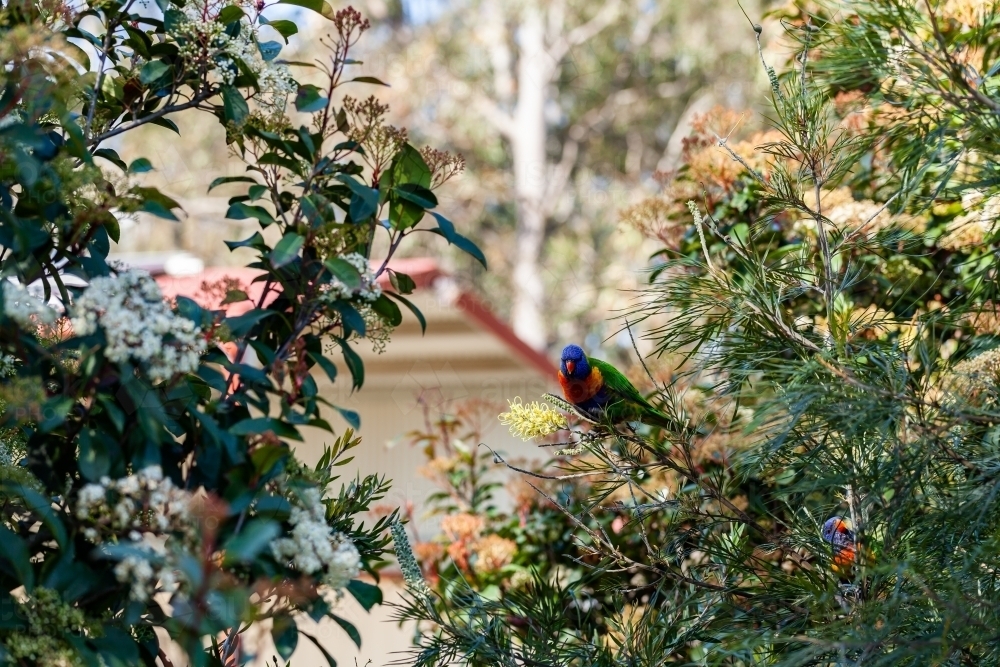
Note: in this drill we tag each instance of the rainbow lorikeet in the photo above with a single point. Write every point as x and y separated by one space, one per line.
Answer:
600 391
838 533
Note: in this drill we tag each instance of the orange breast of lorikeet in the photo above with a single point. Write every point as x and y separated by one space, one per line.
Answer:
843 558
581 391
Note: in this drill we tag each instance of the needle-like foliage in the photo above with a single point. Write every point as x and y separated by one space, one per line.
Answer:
829 320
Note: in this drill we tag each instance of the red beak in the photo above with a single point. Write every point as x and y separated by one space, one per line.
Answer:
570 366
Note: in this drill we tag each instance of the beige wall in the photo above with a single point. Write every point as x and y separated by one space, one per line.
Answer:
383 641
456 360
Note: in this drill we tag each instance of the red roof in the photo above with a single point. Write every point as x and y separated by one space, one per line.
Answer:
423 270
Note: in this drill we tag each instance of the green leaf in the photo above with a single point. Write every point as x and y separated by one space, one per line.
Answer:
351 318
401 282
230 179
116 648
157 209
230 13
40 505
241 211
369 79
251 541
287 249
100 244
284 27
311 211
470 248
15 551
364 203
367 595
326 654
388 310
309 99
156 202
318 6
140 166
111 225
111 156
350 416
93 460
173 19
404 214
234 107
354 364
258 425
344 271
328 366
255 241
319 609
285 634
269 50
235 296
266 457
72 578
153 71
409 167
167 123
447 230
114 412
417 194
349 628
274 158
413 309
241 325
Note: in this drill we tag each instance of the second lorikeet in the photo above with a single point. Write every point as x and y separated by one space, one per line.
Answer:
838 533
601 391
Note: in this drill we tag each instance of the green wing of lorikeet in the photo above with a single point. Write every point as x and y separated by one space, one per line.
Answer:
631 406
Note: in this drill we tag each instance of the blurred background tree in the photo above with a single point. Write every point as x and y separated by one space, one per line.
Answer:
563 111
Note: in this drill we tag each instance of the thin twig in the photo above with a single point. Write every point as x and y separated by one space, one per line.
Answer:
121 129
635 346
109 31
499 459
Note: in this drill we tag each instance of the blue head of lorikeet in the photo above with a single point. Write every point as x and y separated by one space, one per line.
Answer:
838 533
601 391
574 364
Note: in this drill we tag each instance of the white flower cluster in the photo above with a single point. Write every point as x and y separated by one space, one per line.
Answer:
145 501
369 291
273 78
8 365
314 548
25 308
138 324
143 577
973 228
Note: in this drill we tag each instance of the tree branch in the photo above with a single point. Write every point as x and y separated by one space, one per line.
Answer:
571 146
582 33
491 111
121 129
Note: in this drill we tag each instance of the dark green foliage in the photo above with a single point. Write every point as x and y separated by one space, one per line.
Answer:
145 446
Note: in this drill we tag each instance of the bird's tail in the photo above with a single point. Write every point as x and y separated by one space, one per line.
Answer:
654 417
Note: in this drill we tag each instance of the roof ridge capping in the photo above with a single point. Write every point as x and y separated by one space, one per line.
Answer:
425 273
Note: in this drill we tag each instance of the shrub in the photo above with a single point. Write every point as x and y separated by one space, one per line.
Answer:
147 478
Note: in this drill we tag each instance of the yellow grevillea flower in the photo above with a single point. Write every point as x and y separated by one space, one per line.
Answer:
532 420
